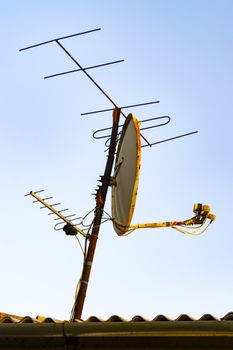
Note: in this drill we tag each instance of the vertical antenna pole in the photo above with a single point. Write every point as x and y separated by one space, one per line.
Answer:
100 202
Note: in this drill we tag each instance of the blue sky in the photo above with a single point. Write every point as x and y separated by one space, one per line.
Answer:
178 52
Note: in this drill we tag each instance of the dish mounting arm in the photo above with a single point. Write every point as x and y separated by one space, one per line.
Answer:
202 214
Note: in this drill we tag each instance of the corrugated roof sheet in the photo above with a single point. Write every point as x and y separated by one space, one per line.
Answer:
8 318
138 333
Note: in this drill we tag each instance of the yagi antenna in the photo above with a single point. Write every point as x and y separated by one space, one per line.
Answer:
124 181
71 227
84 70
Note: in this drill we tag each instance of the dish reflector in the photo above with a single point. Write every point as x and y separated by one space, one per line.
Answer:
126 175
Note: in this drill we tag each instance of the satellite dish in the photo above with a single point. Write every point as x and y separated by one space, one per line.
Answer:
125 187
126 175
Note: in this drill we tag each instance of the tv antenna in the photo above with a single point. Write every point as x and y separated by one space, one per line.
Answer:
124 183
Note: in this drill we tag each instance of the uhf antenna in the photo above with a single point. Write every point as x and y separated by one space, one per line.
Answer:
69 220
124 181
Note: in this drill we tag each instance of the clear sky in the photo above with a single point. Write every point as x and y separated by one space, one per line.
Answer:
178 52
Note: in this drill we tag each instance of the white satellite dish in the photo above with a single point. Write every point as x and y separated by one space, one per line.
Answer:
126 175
125 188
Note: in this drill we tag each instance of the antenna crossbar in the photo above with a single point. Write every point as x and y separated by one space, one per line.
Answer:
86 68
171 138
123 107
60 38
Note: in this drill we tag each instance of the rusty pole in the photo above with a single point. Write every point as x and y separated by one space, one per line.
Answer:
100 202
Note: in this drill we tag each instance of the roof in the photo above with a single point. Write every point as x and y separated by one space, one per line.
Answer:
9 318
161 332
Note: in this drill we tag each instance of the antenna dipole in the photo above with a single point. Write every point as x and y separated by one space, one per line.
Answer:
60 38
86 68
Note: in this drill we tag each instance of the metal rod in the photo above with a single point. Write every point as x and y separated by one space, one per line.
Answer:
52 205
67 216
140 122
45 199
130 106
29 194
59 211
78 70
155 126
100 202
61 38
172 138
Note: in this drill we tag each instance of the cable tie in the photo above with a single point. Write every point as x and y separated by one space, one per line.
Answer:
84 282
